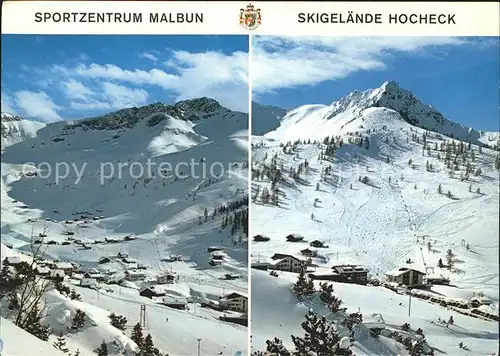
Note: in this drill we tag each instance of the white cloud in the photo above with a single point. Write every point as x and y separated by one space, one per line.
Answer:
75 90
37 104
149 56
188 75
91 87
287 62
121 96
8 104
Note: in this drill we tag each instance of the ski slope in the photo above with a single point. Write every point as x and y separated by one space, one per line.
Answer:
382 224
196 154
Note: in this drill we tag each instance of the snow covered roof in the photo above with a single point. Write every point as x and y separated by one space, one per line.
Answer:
63 265
57 273
40 269
169 299
14 260
158 290
401 271
88 281
135 273
233 295
282 256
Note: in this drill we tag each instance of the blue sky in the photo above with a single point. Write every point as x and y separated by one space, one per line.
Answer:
49 78
458 76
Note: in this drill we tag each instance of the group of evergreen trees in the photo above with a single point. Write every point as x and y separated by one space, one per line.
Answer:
321 338
144 343
237 220
25 306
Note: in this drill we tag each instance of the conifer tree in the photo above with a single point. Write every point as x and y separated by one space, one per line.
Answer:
321 338
78 320
304 286
33 325
118 321
75 296
103 349
60 343
137 335
276 347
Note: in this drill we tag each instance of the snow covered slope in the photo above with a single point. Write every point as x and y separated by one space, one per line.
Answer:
365 178
17 342
15 129
138 183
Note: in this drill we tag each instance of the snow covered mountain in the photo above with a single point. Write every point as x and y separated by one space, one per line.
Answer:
383 182
338 115
129 199
15 129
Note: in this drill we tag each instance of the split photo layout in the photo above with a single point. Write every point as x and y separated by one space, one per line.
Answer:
249 195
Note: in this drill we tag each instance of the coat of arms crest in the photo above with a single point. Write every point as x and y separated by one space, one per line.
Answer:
250 17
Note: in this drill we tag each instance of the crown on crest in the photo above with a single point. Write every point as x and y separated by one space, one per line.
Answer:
250 7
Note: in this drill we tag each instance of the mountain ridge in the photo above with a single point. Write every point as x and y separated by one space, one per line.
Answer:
392 96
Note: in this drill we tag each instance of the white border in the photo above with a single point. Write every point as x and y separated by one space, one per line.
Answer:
249 194
278 18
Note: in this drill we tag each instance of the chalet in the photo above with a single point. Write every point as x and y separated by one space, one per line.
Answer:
263 266
476 302
175 258
230 277
308 253
288 263
214 248
97 276
152 292
104 260
66 243
317 244
134 275
13 260
67 267
88 282
86 269
325 276
215 262
42 271
217 256
129 260
237 319
437 280
56 275
141 266
294 238
406 276
166 278
129 238
351 273
122 255
111 240
175 302
234 301
261 238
